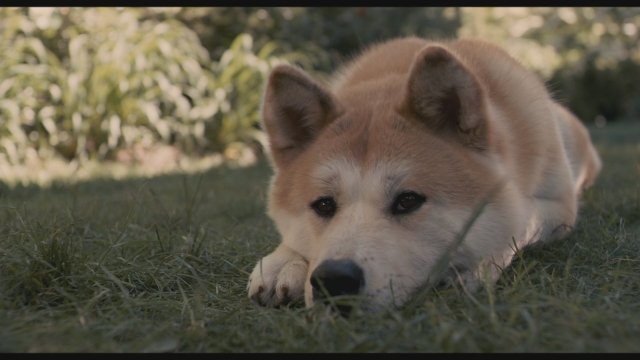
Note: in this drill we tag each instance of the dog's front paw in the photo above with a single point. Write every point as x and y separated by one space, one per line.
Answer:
278 278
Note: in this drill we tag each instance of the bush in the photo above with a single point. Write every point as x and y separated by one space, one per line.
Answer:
240 75
86 83
329 35
608 93
589 55
83 83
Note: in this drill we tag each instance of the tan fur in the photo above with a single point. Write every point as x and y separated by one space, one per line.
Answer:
455 121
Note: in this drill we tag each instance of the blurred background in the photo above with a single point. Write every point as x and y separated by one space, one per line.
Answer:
116 92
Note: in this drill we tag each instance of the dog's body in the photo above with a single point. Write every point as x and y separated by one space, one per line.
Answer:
376 178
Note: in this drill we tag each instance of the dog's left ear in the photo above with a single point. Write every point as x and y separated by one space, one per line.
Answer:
295 109
442 93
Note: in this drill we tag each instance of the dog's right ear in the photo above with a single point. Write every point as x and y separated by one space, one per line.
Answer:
294 111
443 93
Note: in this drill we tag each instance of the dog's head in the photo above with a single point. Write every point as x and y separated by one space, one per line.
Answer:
374 182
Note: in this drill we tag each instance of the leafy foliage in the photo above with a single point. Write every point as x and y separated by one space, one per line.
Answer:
589 56
85 82
329 35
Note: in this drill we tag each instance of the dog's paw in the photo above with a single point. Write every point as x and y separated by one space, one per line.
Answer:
485 275
278 278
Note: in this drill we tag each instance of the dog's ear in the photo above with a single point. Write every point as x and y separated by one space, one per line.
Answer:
442 93
294 111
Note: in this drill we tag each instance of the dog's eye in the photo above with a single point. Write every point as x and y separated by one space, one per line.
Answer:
407 202
325 206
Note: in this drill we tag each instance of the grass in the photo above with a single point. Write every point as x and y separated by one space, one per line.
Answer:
161 265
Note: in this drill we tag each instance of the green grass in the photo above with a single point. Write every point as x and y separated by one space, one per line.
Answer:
162 265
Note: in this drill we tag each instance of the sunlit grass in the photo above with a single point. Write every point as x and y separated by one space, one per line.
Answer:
161 160
161 264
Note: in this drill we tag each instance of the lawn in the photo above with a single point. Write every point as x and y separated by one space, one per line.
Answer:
161 264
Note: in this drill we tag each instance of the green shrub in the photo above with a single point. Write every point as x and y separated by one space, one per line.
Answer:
329 35
83 83
607 93
240 75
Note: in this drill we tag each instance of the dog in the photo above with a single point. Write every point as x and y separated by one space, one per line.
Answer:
419 154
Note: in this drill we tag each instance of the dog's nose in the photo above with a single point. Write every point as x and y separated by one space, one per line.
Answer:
337 277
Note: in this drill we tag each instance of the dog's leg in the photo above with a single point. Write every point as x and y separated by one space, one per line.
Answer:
557 218
486 273
278 278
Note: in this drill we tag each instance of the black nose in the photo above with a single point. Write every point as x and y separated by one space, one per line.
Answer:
337 277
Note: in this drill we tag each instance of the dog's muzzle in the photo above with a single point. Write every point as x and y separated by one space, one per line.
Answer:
337 277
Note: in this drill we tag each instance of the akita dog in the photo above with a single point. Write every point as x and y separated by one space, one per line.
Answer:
418 151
